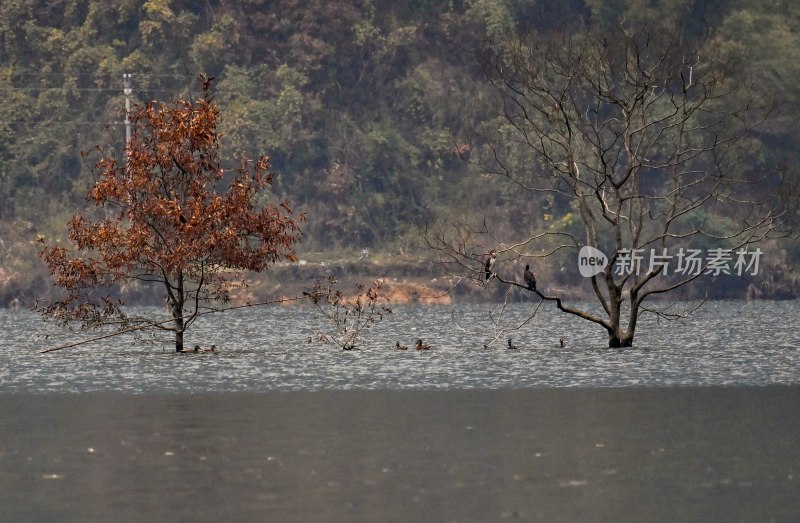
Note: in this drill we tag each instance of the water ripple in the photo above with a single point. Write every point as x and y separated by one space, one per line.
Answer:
725 343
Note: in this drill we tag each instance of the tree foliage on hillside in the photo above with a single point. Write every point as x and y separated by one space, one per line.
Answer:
357 101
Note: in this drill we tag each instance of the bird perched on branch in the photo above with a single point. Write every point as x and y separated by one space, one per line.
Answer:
530 279
488 269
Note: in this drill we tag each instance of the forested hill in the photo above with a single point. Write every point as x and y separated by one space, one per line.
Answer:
361 104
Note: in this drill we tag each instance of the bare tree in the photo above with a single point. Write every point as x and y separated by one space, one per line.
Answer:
647 143
348 316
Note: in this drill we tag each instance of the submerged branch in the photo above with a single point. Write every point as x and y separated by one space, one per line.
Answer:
152 324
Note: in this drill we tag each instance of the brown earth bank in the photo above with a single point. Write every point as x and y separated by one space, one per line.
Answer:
403 280
400 282
420 281
406 280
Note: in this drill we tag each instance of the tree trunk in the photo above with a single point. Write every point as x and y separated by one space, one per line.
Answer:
617 336
177 312
177 316
616 341
179 337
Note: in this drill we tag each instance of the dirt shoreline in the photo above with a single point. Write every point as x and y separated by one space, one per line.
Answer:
404 280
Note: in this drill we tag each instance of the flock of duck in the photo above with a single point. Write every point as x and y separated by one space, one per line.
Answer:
418 346
421 346
198 349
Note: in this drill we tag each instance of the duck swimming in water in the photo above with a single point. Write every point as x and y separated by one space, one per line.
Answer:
510 346
421 346
195 349
400 347
210 349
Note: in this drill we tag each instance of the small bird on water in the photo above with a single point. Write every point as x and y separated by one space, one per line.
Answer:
561 341
421 346
510 346
400 347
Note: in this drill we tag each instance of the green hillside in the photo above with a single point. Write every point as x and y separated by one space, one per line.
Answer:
362 105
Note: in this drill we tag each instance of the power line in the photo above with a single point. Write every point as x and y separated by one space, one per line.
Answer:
50 122
61 73
88 89
127 91
94 89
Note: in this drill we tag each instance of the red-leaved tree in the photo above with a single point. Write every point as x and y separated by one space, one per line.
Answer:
174 219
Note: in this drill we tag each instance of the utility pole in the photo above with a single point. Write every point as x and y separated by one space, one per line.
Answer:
126 88
126 79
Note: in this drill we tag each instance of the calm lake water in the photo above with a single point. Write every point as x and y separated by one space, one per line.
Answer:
698 422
